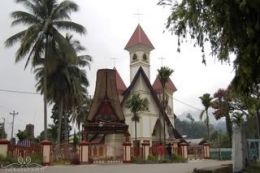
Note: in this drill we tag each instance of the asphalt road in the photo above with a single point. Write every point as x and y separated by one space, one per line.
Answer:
128 168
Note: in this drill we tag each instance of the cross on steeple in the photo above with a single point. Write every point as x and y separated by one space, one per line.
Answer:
114 59
162 58
138 15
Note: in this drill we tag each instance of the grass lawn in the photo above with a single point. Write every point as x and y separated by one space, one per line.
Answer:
253 168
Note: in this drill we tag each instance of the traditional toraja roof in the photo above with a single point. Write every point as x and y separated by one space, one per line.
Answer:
127 92
139 37
157 86
106 101
119 83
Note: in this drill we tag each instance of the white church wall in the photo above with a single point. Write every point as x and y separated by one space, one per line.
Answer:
146 126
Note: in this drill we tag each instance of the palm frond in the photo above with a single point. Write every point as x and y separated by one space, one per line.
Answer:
63 9
201 114
68 25
15 38
24 18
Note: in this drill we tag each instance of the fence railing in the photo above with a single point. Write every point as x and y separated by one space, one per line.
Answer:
21 151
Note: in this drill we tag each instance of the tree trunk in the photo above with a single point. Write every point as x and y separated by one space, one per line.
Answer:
164 133
66 128
208 124
59 128
135 143
45 89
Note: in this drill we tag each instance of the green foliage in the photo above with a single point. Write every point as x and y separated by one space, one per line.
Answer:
7 160
230 27
191 129
21 135
152 158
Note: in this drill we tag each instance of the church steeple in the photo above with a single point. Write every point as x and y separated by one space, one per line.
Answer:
139 47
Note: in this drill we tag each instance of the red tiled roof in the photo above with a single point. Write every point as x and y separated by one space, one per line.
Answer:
169 85
119 83
139 37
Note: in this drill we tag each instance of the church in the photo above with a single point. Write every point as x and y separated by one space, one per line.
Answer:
109 122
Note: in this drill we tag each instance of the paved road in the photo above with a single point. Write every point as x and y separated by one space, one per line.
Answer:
131 168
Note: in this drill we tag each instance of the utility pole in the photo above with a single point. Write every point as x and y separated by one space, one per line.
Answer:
3 134
13 114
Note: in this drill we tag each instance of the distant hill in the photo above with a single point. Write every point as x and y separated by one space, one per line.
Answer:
218 125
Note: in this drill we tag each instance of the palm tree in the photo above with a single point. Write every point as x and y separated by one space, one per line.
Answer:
206 101
44 19
136 104
80 113
164 73
66 85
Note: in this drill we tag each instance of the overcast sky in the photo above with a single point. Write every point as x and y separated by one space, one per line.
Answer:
110 25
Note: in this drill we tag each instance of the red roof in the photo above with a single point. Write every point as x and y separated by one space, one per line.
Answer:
169 85
119 83
139 37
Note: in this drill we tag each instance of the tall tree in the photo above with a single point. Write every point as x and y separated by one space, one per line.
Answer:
80 113
206 102
164 73
230 27
67 84
44 19
136 104
221 104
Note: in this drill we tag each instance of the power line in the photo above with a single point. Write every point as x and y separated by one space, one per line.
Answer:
15 91
33 93
187 104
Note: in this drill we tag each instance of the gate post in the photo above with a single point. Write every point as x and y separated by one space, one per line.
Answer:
83 148
46 152
184 149
127 149
175 148
146 149
206 150
4 147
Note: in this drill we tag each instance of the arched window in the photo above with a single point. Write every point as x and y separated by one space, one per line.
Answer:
134 57
144 57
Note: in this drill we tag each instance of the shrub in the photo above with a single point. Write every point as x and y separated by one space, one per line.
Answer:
152 158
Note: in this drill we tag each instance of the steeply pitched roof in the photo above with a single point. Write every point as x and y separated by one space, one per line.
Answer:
157 86
106 99
139 37
119 83
127 92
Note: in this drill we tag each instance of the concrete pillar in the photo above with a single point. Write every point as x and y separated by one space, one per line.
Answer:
206 150
127 152
4 147
46 152
175 148
237 152
146 150
184 148
83 154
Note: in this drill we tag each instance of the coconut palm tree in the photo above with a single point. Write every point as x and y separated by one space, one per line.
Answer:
38 41
206 101
67 84
164 73
136 104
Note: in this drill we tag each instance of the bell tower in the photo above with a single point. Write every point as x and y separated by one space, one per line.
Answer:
139 47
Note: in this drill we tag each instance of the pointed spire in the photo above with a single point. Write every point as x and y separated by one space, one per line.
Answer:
157 86
139 37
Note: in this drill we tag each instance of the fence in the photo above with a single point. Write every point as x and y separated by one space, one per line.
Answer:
195 152
221 153
21 151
